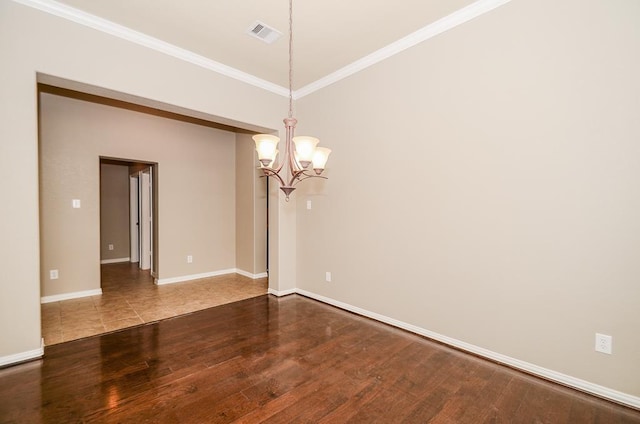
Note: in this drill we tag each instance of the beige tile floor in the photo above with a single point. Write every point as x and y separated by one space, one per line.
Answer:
130 298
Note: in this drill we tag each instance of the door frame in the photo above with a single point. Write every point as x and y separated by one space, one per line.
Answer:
136 167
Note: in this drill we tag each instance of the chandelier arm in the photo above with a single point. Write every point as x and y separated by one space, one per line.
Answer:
313 176
273 173
293 166
290 125
295 177
279 167
304 176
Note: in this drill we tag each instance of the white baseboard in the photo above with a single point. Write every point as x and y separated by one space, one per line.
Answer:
250 275
23 356
566 380
114 261
280 293
68 296
162 281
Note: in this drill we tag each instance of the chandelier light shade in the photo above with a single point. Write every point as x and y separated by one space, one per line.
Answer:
301 154
266 146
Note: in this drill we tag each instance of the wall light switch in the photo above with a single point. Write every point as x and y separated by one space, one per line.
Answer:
75 203
308 204
53 274
327 277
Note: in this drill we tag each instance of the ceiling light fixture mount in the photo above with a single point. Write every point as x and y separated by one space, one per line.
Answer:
295 160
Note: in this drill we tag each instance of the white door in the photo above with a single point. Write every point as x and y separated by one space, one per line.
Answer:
134 223
151 223
145 219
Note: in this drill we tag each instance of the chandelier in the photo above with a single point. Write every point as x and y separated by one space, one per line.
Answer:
301 154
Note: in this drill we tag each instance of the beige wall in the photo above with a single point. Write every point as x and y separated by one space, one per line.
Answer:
498 207
260 218
251 248
484 186
244 207
33 42
195 182
114 211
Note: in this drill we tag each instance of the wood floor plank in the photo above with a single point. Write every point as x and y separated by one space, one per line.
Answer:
281 360
388 406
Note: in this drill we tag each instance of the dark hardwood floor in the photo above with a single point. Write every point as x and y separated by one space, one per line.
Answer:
287 360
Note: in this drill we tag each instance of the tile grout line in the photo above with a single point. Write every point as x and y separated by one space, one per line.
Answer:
161 300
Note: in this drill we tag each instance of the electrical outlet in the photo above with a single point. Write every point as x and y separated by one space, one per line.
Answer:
53 274
327 277
75 203
308 204
111 247
604 343
189 259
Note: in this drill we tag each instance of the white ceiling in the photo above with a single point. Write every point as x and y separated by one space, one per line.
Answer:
328 34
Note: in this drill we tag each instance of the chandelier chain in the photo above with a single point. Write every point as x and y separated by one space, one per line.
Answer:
295 160
290 58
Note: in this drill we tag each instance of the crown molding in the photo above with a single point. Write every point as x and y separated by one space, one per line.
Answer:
108 27
456 18
446 23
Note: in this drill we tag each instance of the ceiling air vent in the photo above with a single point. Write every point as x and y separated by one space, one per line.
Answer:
263 32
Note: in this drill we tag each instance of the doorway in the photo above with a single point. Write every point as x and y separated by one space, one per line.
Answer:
128 210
